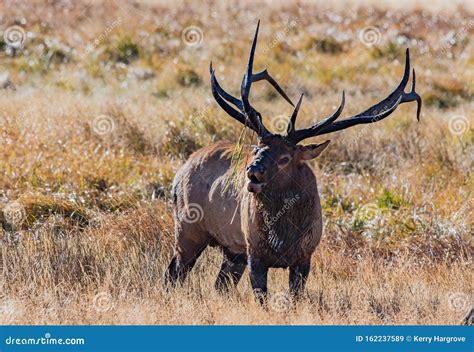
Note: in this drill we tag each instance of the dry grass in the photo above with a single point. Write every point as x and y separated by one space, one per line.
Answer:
90 142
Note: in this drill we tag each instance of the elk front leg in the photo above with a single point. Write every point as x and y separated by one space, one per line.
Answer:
258 278
233 266
298 277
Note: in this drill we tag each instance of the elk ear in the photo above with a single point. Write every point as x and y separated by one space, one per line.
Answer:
311 151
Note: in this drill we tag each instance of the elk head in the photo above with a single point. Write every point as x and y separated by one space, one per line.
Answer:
276 157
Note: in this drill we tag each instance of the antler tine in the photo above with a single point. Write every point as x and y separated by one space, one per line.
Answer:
247 80
387 104
247 115
220 94
266 76
333 117
292 123
382 109
413 96
215 84
249 111
296 136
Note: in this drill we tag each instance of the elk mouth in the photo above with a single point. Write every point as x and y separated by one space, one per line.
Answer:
254 185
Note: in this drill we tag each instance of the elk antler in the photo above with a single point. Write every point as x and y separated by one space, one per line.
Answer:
295 136
375 113
246 114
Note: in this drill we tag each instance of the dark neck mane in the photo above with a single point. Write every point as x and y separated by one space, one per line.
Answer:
286 215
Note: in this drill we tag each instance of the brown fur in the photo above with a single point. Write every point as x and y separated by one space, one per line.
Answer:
281 226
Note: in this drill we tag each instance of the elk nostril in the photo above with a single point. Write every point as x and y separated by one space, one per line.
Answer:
254 179
255 173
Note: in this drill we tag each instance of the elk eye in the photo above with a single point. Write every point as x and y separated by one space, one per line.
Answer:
283 161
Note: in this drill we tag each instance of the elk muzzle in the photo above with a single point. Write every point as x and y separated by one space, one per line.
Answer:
256 178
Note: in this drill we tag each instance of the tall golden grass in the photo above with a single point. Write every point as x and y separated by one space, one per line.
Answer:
110 100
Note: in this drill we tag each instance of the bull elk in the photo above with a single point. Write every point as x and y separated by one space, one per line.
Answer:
275 221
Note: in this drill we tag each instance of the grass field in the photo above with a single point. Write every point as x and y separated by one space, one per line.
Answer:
101 103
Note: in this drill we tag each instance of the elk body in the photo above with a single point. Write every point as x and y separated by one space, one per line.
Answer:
275 221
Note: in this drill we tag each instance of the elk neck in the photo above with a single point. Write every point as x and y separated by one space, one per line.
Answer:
285 215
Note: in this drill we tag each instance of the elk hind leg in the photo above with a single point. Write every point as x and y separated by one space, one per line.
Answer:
188 249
